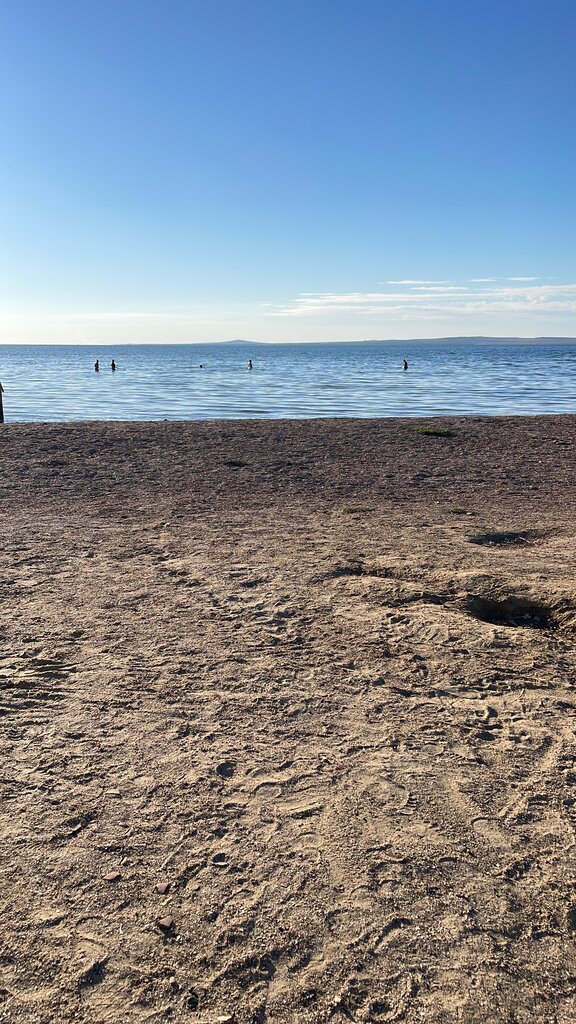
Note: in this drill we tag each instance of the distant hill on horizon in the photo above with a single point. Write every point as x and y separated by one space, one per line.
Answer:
472 339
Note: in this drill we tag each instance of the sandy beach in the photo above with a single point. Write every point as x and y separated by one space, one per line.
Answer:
288 721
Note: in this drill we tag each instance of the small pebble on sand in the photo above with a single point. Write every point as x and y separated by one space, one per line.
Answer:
165 923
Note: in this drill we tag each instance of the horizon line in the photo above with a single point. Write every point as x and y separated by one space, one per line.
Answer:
521 339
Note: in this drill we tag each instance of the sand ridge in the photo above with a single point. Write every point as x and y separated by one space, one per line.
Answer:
288 722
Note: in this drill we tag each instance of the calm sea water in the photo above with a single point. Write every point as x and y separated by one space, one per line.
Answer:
166 382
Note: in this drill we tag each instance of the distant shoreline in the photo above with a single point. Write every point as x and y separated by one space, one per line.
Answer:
465 339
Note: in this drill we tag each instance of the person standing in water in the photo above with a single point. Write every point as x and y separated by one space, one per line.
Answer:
113 366
250 364
97 366
404 364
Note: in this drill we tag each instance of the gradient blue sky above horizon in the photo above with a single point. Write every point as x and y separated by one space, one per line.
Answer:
286 171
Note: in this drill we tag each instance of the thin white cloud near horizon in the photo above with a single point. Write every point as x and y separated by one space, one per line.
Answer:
487 280
432 302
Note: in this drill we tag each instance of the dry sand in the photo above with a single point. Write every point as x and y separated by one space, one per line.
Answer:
286 738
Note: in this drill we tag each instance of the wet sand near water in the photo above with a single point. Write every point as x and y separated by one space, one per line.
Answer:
287 721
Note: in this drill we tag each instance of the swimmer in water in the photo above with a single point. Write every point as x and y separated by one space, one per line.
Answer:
97 366
250 364
404 364
113 366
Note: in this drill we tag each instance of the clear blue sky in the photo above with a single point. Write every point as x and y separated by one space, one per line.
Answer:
270 169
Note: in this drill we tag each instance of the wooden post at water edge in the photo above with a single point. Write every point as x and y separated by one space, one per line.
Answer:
1 403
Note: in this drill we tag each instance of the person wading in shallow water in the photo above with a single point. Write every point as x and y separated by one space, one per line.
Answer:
404 364
249 364
97 366
113 366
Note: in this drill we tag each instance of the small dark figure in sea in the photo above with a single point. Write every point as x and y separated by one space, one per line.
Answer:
97 366
404 364
200 366
113 366
250 367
